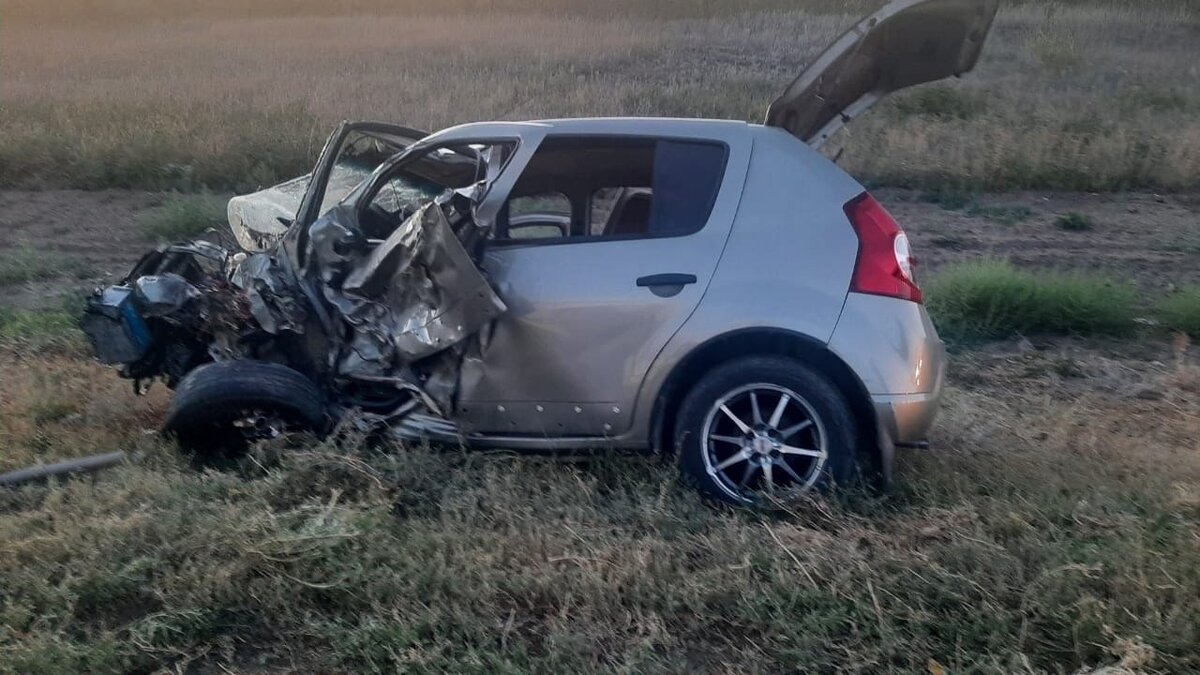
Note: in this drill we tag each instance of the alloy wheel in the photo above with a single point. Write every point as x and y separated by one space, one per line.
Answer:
764 440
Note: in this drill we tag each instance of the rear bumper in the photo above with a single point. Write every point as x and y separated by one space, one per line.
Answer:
906 418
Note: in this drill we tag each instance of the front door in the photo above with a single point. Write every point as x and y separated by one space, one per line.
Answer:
591 304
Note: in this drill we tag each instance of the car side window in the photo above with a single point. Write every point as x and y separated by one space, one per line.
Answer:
614 187
545 215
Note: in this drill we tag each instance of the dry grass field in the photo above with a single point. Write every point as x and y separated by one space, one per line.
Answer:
144 93
1052 528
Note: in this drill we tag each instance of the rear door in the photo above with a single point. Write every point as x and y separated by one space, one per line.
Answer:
905 43
589 311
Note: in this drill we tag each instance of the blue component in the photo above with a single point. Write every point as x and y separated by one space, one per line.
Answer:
138 331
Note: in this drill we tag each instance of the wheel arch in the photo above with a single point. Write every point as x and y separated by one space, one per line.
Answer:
765 341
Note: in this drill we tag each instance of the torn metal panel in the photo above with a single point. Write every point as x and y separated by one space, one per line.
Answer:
163 295
420 427
273 303
333 245
414 295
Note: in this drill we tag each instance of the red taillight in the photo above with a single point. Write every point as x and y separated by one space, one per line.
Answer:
885 263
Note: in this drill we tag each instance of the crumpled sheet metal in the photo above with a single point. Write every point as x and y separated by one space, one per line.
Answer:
416 294
403 312
163 295
273 304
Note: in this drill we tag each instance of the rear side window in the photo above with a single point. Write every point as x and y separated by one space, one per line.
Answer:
620 187
686 179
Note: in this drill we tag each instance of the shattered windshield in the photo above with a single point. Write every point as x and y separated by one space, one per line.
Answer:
360 155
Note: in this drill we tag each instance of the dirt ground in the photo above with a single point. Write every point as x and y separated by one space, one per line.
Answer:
1152 239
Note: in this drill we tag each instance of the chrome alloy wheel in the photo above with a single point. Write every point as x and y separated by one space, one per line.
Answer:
764 439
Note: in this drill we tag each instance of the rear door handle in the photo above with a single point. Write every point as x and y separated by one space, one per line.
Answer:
666 285
666 280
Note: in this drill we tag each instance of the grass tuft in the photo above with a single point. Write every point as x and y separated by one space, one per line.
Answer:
22 265
950 195
939 102
185 217
993 299
55 330
1075 222
955 196
1005 215
1058 51
1181 311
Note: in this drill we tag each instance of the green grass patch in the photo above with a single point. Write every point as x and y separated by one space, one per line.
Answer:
185 217
22 265
993 299
1075 222
1181 311
959 196
55 329
950 195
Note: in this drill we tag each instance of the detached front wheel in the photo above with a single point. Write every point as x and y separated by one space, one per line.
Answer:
762 428
222 408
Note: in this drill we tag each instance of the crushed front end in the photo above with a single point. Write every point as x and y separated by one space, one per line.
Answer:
377 315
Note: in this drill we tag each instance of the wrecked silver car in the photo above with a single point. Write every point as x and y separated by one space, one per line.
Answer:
714 287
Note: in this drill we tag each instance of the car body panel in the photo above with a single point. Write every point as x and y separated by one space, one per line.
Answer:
570 355
905 419
903 44
895 350
789 272
891 344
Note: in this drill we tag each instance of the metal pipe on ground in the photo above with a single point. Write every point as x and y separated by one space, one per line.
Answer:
70 466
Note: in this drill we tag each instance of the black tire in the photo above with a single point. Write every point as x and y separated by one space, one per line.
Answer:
212 397
778 375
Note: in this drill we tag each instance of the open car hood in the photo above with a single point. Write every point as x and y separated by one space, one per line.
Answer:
905 43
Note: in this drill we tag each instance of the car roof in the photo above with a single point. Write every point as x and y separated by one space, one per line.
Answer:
633 124
648 126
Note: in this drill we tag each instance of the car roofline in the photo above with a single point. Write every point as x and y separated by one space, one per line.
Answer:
590 125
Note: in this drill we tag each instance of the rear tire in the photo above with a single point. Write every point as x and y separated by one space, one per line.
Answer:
765 425
220 408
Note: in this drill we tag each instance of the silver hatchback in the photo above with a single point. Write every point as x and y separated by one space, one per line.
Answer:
712 288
